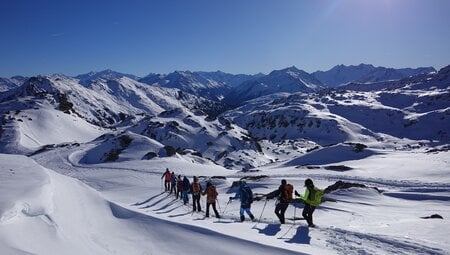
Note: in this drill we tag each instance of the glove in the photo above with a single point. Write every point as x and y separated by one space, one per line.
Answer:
257 198
296 193
231 198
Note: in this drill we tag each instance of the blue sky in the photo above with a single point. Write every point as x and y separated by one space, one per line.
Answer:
236 36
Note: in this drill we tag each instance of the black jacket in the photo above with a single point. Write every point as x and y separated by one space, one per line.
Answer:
280 193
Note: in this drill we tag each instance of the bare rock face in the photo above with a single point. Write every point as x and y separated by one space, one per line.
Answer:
346 185
434 216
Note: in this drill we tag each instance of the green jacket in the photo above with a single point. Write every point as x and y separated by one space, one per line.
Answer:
313 197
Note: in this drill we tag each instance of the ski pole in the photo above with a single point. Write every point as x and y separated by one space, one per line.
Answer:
259 220
229 201
295 208
161 185
218 204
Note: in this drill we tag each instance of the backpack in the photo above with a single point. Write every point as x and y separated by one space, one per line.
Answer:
247 195
288 191
212 193
316 196
195 188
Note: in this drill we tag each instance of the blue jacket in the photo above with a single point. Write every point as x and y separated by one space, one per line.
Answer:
173 179
245 194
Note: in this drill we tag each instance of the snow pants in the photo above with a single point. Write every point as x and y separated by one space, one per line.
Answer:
214 208
280 209
196 202
307 214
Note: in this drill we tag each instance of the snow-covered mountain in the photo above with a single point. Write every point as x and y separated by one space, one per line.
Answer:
415 108
103 103
10 83
289 80
363 73
107 74
211 85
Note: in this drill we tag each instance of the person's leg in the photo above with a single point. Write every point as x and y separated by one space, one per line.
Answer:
215 210
249 213
307 214
207 209
199 208
194 204
311 211
283 208
185 197
241 213
277 211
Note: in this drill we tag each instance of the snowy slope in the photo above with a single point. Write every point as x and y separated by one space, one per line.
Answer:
60 215
25 130
362 220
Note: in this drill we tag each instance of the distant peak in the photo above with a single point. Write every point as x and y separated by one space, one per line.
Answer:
292 68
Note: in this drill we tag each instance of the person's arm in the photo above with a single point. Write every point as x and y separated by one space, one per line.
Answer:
204 193
273 194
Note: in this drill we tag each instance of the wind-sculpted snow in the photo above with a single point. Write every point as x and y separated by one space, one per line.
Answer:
54 214
350 221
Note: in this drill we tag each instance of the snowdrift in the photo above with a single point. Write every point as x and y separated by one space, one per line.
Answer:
42 212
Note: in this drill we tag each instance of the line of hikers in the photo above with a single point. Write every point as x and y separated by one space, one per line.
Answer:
182 188
284 194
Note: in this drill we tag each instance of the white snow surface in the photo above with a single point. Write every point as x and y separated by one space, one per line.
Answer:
54 204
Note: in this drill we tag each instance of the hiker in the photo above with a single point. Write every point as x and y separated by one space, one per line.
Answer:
186 188
173 183
312 198
245 194
179 187
211 197
166 176
284 194
196 189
